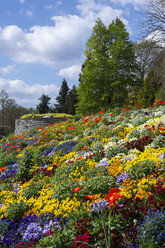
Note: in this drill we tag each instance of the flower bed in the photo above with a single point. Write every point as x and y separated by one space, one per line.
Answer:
98 182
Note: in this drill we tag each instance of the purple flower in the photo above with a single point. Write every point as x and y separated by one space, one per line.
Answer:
33 231
50 225
161 156
102 163
98 206
121 177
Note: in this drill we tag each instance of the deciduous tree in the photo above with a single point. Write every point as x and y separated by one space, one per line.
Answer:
109 69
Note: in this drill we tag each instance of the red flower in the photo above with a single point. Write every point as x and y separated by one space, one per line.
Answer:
111 114
90 197
76 189
113 196
146 125
84 148
82 240
98 119
161 128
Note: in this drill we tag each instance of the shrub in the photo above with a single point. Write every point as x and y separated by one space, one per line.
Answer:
98 147
134 134
142 169
17 210
98 184
113 151
32 190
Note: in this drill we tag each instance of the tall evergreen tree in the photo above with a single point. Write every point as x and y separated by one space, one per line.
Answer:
109 69
43 106
146 96
71 100
61 106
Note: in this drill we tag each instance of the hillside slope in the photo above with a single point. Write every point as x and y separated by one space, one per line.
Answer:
98 182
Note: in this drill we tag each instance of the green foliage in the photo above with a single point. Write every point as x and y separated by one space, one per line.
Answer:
77 117
142 169
17 210
139 119
30 158
113 151
53 115
98 184
62 174
32 190
146 96
64 190
84 143
109 68
43 106
158 141
134 134
101 170
6 158
98 147
62 238
71 100
87 132
61 106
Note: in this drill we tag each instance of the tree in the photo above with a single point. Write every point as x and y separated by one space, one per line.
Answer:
154 19
9 111
146 52
71 100
61 106
146 96
43 106
159 75
3 101
109 69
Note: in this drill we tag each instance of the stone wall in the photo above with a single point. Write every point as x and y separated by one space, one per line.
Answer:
24 125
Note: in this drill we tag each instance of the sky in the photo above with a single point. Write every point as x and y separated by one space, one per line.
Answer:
43 41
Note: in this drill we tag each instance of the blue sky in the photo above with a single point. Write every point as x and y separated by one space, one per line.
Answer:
43 41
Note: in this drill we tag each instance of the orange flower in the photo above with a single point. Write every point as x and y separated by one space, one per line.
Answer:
152 128
3 168
79 158
146 125
98 119
76 189
161 128
121 116
84 148
90 197
113 196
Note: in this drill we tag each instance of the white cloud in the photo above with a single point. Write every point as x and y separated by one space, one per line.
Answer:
71 72
29 13
25 94
7 69
48 7
91 11
21 1
61 44
49 45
